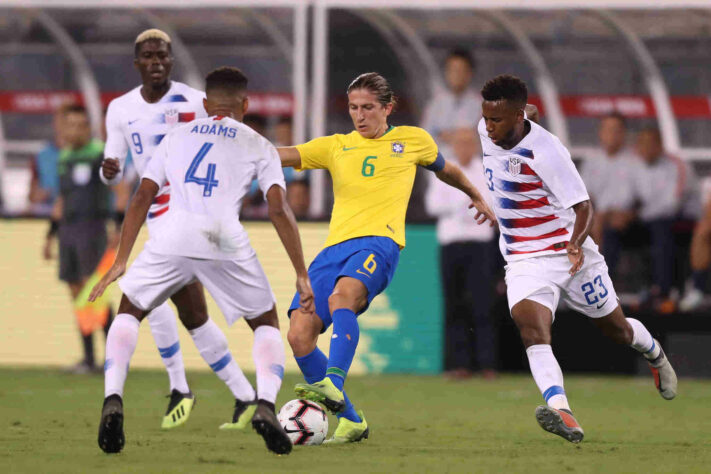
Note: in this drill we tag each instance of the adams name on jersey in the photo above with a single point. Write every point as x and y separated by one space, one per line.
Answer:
534 187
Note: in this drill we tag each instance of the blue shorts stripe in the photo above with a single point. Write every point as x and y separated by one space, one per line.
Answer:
168 352
222 363
554 390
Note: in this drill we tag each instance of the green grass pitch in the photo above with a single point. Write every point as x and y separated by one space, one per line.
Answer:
418 424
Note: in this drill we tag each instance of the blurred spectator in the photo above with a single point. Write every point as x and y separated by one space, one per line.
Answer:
467 261
44 186
700 254
609 177
454 107
283 132
459 104
297 184
80 212
667 190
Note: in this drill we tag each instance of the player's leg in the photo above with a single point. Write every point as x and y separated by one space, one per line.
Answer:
534 320
120 345
211 341
633 333
592 293
148 283
164 329
269 360
241 289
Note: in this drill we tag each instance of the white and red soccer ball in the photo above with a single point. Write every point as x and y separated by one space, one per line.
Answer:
305 422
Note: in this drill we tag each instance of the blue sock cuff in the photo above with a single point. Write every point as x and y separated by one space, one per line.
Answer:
343 312
654 344
313 365
170 351
551 391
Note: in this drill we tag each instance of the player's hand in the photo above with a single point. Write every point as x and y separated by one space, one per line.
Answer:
306 294
116 270
484 213
47 249
576 257
110 167
532 113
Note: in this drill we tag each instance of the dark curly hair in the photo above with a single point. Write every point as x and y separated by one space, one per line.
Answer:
226 78
506 87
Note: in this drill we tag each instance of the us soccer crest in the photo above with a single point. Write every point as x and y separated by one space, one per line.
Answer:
397 148
171 116
515 165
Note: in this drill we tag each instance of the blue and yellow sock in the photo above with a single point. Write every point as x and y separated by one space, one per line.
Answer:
343 345
313 366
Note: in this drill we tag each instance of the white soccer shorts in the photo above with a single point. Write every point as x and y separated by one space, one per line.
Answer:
239 287
545 280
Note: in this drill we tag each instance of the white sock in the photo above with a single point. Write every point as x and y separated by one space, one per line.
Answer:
547 374
164 328
269 360
120 344
212 344
642 340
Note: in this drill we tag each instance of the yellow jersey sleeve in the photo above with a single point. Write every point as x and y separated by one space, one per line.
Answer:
317 153
427 148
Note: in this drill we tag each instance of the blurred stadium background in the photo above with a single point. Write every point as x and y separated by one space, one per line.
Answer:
648 60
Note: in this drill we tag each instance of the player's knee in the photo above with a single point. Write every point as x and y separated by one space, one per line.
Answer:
621 334
340 300
301 339
191 318
534 335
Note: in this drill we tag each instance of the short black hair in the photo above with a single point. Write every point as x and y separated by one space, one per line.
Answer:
616 116
137 46
506 87
463 54
226 78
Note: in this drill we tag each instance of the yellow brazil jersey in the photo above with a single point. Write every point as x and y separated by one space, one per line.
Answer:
372 179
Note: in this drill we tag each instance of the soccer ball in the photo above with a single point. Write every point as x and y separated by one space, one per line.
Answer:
305 422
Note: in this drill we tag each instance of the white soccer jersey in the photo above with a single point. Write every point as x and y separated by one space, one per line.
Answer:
132 123
210 164
534 185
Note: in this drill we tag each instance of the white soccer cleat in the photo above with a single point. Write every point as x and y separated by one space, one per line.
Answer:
664 375
691 300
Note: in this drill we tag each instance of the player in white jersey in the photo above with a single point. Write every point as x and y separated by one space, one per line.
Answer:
544 216
137 121
210 164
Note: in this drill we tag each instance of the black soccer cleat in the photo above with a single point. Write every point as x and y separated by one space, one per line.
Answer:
111 438
266 424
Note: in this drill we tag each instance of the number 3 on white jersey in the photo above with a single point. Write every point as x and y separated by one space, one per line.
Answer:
209 180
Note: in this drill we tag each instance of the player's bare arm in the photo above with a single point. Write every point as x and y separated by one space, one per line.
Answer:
136 215
583 224
453 176
285 224
55 216
290 156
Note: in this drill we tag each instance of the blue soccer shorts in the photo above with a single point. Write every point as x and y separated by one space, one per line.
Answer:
372 260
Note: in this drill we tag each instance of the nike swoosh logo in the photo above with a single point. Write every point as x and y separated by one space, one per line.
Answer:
362 273
351 148
601 304
130 122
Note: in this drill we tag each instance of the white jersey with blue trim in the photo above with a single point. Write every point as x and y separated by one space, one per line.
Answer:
534 186
139 126
210 164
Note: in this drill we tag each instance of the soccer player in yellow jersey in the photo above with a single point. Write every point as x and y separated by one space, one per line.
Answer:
373 170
